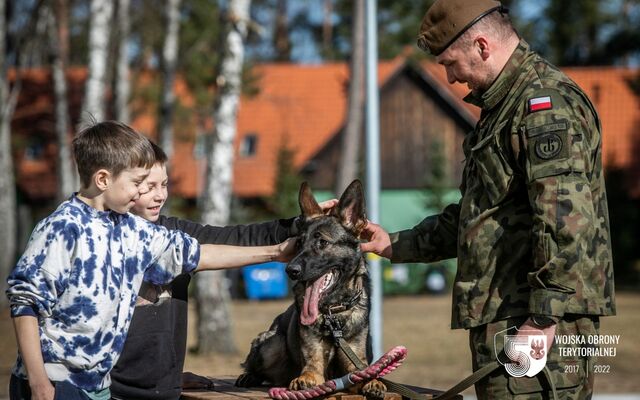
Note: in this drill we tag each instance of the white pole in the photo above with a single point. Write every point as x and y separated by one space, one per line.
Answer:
373 169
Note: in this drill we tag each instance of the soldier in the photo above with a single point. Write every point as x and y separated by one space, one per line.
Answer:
531 231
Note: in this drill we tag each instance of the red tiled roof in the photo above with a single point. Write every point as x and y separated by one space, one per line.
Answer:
304 106
618 107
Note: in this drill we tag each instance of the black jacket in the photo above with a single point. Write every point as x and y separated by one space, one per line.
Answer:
150 366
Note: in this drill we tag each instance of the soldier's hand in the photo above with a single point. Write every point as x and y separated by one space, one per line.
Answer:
549 331
378 240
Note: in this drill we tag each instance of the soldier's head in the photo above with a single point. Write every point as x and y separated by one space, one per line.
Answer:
472 39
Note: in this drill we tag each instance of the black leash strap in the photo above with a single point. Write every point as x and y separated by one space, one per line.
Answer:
468 381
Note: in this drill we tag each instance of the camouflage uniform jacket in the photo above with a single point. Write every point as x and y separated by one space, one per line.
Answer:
531 231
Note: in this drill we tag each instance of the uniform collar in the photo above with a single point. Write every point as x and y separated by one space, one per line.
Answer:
503 83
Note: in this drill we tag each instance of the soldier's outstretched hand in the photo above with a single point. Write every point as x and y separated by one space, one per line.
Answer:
378 240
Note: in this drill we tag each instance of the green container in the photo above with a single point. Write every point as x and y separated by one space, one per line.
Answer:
415 278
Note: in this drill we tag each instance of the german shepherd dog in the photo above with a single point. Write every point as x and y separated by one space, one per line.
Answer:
331 278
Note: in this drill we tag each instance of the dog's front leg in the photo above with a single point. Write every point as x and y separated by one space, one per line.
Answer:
316 354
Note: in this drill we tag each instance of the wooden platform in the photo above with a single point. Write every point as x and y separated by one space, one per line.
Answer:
225 390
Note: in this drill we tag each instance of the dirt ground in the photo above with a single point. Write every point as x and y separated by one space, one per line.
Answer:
438 357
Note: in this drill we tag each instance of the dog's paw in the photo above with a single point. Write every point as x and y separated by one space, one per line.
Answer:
305 381
374 390
248 380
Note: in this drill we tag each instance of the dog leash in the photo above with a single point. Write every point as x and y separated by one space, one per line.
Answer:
335 328
387 363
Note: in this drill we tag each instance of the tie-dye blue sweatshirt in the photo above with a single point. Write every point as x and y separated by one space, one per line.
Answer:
80 274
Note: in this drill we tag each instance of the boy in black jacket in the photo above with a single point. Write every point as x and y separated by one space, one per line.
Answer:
150 366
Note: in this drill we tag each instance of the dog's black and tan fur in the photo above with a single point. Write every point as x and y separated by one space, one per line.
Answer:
298 350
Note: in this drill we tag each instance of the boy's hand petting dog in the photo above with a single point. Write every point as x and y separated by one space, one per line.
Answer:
328 205
286 250
191 381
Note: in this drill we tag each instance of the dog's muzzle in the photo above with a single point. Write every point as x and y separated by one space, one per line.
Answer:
294 270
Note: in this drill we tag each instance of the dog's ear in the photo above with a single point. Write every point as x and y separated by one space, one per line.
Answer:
351 208
308 204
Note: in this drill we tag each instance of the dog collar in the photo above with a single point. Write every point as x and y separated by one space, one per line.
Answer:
345 305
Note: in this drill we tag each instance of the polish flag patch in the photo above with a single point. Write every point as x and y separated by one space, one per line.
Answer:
540 103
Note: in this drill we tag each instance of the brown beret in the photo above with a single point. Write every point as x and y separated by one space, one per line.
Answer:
446 20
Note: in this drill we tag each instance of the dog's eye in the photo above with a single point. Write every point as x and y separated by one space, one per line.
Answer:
322 243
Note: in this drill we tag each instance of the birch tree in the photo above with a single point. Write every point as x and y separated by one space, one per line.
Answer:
93 106
169 61
8 100
123 83
348 164
214 326
59 34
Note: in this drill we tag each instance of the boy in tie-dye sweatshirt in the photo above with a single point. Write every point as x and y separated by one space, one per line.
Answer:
73 291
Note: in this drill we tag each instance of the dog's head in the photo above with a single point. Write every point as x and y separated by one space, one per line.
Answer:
329 253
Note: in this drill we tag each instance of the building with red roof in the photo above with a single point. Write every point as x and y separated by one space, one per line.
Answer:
304 108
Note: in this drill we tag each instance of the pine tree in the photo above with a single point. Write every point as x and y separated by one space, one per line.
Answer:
283 203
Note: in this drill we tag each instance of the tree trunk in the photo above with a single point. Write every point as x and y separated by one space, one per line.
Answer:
123 83
8 100
327 27
348 167
169 61
59 34
281 40
93 106
214 325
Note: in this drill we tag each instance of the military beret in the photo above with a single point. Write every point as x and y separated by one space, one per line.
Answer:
446 20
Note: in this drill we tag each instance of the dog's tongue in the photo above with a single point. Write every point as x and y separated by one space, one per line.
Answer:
309 313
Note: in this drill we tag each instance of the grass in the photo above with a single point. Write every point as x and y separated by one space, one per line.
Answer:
438 356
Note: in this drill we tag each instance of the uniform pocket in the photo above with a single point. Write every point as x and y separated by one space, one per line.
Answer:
493 170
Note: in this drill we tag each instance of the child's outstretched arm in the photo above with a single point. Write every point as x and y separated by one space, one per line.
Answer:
26 328
213 256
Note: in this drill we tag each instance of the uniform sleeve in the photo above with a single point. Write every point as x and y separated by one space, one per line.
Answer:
433 239
171 253
41 274
261 234
559 143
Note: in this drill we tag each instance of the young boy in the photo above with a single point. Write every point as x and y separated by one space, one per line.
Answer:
151 363
73 291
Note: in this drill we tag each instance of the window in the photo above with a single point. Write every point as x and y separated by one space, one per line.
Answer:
248 146
33 152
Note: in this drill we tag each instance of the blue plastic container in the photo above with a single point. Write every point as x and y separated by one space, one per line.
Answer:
265 281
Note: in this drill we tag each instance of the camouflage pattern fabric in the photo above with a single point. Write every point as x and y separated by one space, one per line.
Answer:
573 375
531 231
